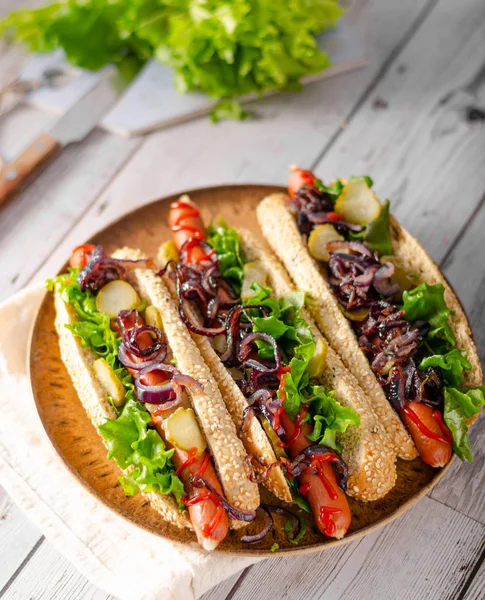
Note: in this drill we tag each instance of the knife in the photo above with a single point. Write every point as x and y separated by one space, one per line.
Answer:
73 127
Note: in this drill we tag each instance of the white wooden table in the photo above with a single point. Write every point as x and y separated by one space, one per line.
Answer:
406 121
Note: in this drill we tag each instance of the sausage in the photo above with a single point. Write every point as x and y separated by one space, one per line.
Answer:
434 452
185 214
299 178
205 512
330 523
185 223
207 516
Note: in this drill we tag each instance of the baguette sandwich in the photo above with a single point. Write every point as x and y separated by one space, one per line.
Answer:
385 308
145 387
309 430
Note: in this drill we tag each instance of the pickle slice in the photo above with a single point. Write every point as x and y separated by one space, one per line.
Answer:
318 240
116 296
273 438
254 272
153 317
183 431
400 276
316 365
167 252
110 382
357 203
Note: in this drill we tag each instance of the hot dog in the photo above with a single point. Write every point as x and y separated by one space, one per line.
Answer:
208 517
328 502
376 295
187 226
119 341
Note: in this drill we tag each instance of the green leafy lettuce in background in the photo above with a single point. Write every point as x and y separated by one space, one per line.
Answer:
225 48
427 303
130 442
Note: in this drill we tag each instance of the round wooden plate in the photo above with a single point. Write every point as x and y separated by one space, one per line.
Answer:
81 448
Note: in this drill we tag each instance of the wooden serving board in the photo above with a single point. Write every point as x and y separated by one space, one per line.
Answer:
81 448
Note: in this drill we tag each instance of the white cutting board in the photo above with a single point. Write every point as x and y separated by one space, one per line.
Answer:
151 101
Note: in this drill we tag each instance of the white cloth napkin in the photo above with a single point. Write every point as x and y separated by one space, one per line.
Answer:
115 555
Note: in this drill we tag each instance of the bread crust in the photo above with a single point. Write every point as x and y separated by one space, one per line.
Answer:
79 362
226 448
367 449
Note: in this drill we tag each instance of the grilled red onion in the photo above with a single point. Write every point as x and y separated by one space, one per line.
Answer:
304 459
165 392
128 362
284 512
313 207
102 269
264 469
246 347
357 277
267 509
193 321
382 282
235 513
354 246
257 537
131 329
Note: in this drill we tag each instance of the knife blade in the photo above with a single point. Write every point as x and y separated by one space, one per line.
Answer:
73 127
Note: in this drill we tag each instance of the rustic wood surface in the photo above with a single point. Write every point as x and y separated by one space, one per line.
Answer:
407 120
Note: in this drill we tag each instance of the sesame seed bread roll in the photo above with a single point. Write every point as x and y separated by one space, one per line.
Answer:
367 449
281 231
79 362
226 448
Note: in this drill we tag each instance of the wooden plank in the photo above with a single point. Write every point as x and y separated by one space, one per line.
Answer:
32 223
427 553
412 135
18 537
224 589
291 128
476 591
49 575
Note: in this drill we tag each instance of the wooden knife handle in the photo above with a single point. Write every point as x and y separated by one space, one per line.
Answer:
16 174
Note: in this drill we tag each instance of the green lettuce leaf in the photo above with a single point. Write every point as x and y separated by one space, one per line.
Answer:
427 303
288 528
329 417
333 190
450 364
130 442
229 110
378 233
459 405
297 345
225 48
366 178
227 244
